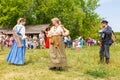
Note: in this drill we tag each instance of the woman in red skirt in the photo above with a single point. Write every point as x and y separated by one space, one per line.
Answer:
47 44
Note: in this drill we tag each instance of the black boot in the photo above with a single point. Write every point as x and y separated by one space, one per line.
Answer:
52 68
101 60
107 60
59 69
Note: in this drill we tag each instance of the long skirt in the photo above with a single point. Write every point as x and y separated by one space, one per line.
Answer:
58 55
17 54
47 44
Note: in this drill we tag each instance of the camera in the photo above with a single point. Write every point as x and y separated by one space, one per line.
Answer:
101 34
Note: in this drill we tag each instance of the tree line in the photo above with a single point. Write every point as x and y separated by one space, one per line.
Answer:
78 16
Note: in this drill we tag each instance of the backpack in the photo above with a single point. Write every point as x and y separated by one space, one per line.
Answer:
113 37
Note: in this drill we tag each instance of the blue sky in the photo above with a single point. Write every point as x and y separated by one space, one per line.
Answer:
110 10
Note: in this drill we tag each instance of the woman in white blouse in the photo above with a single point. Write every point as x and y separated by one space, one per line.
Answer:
57 47
17 51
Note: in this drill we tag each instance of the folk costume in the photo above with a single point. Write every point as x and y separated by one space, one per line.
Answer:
57 47
17 51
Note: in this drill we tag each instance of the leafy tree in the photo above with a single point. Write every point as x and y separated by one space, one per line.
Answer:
76 15
11 10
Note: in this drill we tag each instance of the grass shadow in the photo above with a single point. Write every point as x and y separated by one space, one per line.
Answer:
98 73
27 62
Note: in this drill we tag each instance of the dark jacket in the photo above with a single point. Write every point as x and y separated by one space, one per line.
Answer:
107 36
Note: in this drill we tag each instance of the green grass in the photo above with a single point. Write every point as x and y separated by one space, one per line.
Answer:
81 66
117 34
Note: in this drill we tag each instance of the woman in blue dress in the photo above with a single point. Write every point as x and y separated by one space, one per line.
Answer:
80 43
17 51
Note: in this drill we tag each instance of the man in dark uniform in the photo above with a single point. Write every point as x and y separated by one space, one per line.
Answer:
106 41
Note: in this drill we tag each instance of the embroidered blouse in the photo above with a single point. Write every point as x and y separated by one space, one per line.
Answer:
60 30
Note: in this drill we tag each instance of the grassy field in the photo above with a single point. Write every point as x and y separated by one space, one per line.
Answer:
81 66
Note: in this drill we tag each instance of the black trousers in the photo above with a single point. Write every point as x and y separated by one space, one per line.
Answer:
104 51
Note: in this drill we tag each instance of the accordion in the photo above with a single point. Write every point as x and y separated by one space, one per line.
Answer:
55 41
